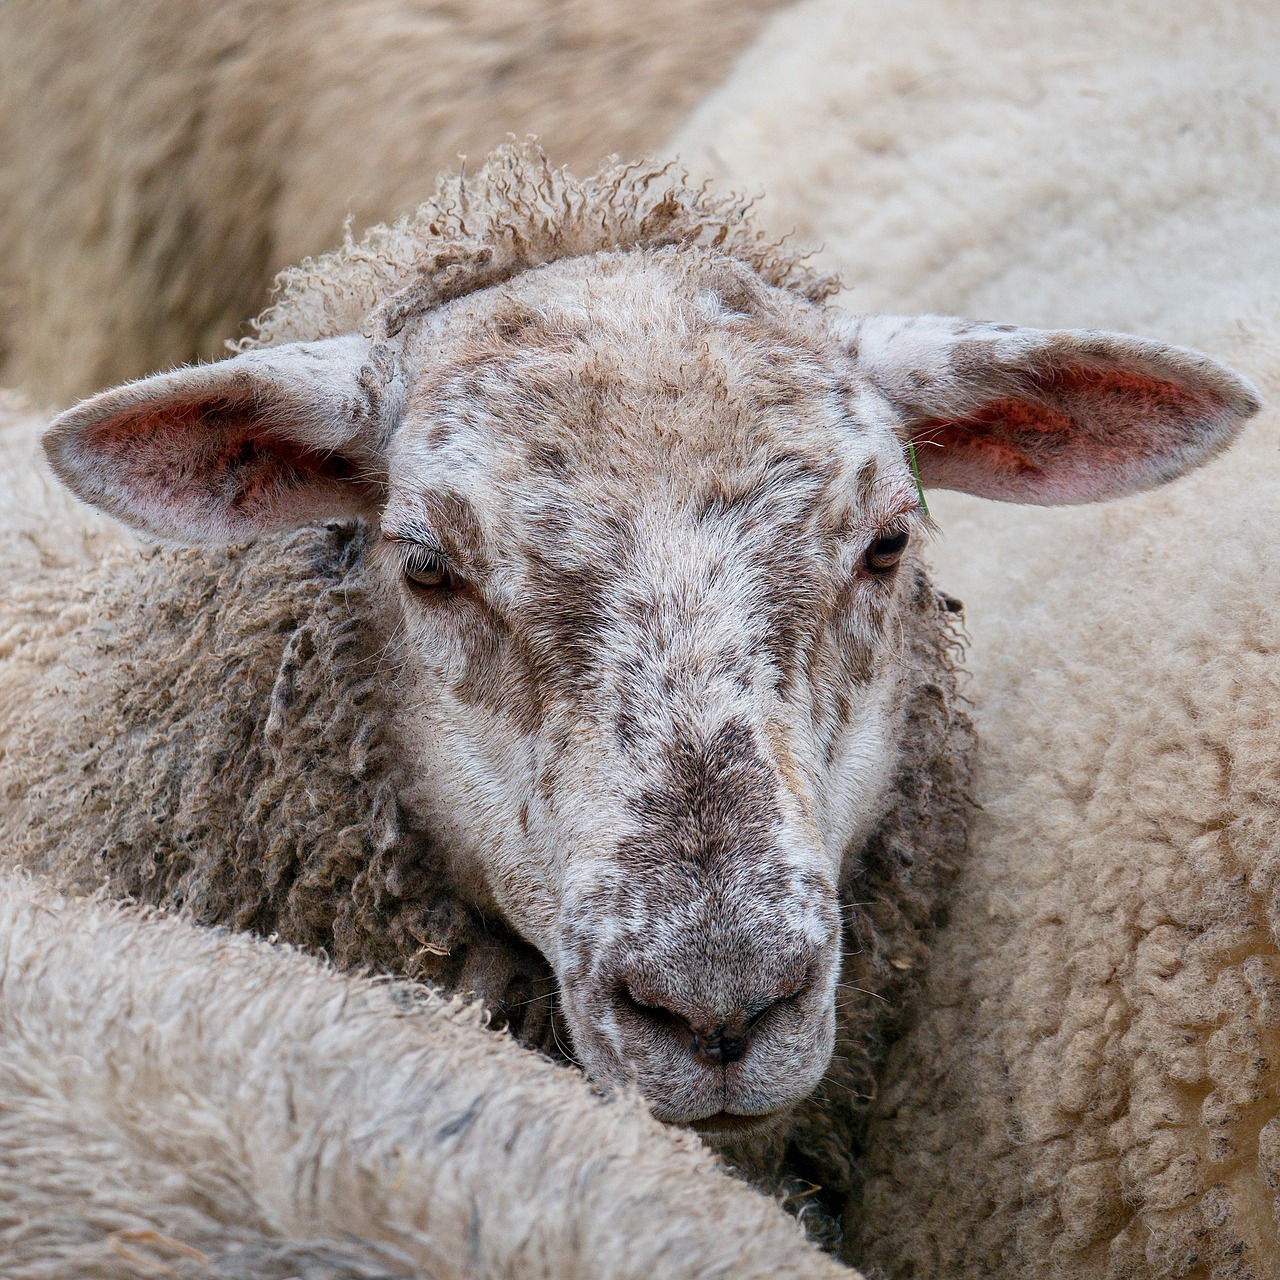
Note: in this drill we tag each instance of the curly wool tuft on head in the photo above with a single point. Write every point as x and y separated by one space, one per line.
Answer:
515 213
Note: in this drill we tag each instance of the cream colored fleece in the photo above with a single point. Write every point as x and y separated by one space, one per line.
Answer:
42 526
193 1104
1094 1090
160 160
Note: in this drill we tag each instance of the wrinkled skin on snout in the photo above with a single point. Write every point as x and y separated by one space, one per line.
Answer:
643 526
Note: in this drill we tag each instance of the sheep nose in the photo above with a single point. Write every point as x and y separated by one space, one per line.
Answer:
713 1038
727 1041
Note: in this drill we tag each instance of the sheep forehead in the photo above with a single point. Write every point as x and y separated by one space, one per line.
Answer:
609 385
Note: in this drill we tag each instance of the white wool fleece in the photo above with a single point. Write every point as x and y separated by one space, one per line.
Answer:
161 160
187 1103
42 526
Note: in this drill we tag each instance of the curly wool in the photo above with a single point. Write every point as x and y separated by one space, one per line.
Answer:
517 213
228 756
1089 1089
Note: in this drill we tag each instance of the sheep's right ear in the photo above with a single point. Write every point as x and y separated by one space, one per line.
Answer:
266 440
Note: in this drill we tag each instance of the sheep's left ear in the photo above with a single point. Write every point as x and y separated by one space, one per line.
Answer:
266 440
1049 416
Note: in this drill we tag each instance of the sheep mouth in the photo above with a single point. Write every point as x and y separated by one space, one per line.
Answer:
728 1122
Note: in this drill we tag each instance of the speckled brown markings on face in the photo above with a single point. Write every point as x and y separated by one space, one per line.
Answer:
542 377
672 663
715 805
452 521
866 483
549 460
566 619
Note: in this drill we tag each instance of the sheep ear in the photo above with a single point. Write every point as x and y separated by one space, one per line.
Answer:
266 440
1049 416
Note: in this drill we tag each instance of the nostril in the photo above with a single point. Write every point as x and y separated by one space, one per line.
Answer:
652 1011
712 1038
720 1046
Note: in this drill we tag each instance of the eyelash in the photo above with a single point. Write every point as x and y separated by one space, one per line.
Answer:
885 553
425 570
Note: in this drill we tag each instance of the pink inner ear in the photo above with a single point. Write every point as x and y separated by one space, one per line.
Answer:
198 457
1116 398
998 434
1081 434
268 470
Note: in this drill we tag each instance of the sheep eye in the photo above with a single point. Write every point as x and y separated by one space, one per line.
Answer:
884 553
427 571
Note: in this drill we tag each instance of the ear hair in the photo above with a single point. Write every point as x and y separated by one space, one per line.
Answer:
266 440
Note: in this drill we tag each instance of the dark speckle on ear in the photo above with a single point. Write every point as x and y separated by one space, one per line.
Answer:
974 357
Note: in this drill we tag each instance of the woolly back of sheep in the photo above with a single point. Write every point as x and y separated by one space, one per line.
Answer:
229 140
180 1102
1090 1088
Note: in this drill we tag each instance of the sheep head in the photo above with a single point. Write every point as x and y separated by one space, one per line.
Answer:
647 522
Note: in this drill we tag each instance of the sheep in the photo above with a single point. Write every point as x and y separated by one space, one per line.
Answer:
179 1102
160 161
624 702
1090 1089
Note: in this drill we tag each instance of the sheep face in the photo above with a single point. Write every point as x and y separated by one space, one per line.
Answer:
644 568
642 536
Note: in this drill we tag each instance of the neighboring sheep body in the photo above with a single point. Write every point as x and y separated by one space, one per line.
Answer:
1055 165
1106 995
201 1105
160 162
1091 1091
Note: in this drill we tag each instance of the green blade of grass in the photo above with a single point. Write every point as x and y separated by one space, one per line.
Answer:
915 471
